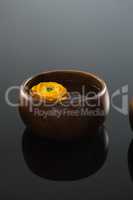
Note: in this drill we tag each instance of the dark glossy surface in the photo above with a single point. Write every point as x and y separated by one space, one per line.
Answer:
95 36
63 160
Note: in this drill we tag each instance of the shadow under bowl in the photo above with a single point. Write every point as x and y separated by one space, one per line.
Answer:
86 109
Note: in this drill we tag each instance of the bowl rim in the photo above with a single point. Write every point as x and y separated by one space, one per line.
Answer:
98 95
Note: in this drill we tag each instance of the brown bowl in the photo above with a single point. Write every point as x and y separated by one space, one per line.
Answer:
86 109
130 109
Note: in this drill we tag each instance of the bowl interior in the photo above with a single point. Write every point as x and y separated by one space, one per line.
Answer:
74 81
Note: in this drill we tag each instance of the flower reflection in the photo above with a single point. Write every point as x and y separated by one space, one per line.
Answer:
65 160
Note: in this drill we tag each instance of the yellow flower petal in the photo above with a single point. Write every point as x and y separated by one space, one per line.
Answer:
49 91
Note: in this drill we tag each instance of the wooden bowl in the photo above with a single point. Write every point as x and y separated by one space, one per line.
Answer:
86 109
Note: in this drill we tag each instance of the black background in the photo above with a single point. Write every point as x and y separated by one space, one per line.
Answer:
94 36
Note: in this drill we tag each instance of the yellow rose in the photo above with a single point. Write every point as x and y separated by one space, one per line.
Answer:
49 91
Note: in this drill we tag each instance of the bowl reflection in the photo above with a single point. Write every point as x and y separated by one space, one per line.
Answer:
65 160
130 159
130 150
